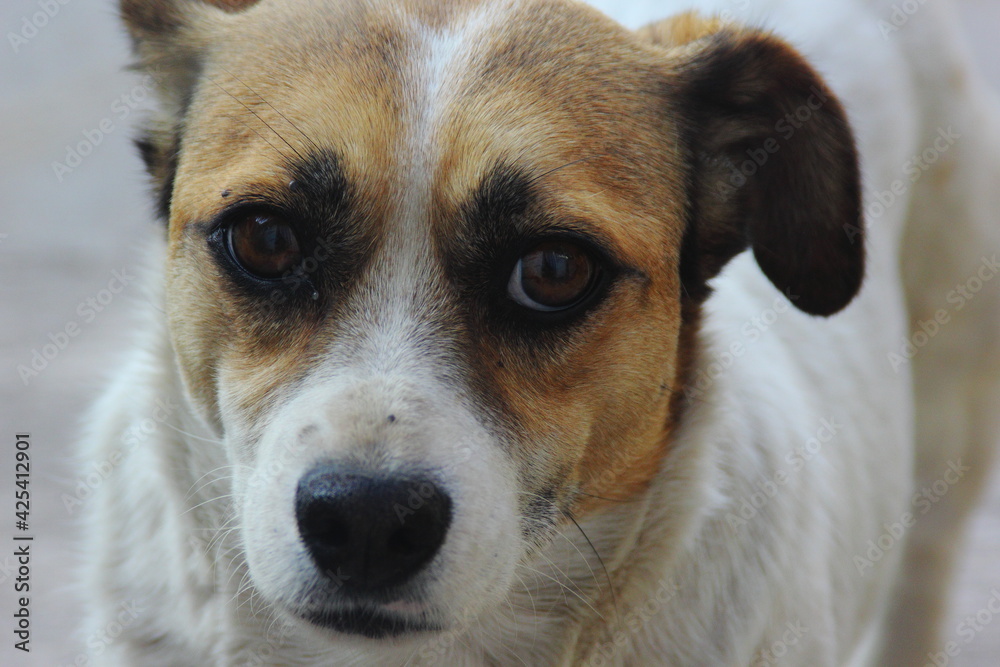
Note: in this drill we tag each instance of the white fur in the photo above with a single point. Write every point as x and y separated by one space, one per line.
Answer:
686 591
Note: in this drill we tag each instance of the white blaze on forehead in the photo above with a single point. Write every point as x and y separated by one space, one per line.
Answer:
443 58
440 63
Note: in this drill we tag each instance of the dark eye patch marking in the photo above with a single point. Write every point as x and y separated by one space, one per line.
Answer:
504 217
319 182
503 195
337 235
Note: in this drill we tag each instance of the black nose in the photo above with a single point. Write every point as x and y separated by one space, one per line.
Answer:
368 533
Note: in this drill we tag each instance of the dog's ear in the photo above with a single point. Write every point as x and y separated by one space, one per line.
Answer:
773 164
169 38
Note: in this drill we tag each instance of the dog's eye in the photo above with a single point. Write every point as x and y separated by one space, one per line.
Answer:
264 245
552 276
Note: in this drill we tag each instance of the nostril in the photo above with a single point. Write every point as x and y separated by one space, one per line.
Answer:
410 538
372 532
322 523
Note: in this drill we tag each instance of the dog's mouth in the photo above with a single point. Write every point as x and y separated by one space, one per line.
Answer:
381 622
395 552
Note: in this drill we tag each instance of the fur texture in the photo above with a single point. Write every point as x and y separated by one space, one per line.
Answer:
688 471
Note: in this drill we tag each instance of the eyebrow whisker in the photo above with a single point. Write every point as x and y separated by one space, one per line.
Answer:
564 166
275 109
262 137
257 116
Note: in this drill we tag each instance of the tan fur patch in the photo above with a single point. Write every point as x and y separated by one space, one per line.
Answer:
592 416
417 95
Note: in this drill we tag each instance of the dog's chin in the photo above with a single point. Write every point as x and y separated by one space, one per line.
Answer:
369 622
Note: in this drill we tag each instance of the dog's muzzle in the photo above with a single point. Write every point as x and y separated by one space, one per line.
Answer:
369 535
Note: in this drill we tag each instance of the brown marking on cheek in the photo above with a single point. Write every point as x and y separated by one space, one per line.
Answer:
588 409
575 101
245 130
593 404
226 342
633 416
600 405
254 370
197 332
626 476
594 417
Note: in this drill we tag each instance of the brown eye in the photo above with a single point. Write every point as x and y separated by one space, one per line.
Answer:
264 246
554 275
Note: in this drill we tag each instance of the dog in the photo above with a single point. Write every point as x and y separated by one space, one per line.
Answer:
454 355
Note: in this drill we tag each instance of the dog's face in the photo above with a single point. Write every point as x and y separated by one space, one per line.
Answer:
434 269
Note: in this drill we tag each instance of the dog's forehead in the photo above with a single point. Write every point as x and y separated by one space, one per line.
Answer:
430 94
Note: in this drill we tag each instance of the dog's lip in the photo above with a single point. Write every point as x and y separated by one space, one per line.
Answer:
374 622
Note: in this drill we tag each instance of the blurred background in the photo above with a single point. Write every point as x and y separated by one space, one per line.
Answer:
69 221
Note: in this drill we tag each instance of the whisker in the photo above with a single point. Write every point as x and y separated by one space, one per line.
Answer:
223 532
607 575
258 117
610 500
611 587
286 119
564 166
214 441
191 490
564 587
593 575
215 544
210 500
262 137
239 587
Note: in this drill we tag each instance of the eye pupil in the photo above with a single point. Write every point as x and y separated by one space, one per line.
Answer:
274 239
552 276
264 246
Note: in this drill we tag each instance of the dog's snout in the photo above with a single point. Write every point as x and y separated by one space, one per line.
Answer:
368 532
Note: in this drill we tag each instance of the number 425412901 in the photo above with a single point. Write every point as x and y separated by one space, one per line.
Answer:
22 477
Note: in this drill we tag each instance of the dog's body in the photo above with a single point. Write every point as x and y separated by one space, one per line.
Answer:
732 459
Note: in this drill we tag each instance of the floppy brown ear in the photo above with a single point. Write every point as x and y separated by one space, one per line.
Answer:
773 166
169 38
